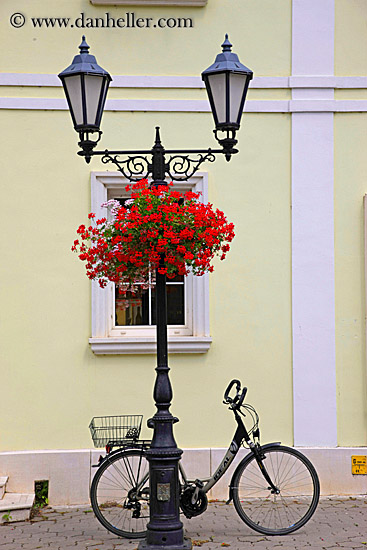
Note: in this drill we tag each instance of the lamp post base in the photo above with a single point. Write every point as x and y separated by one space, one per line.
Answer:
186 545
165 529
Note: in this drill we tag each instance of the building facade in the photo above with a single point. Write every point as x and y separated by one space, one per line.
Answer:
285 313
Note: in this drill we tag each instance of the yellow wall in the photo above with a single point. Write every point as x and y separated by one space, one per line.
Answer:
350 187
56 382
350 37
264 39
52 383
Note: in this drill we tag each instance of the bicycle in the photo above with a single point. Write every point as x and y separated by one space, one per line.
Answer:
275 489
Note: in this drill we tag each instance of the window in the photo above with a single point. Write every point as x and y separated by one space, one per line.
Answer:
117 329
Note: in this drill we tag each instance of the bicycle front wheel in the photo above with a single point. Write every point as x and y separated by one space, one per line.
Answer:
285 510
120 494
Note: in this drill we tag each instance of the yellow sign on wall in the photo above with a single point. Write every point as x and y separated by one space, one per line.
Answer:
359 465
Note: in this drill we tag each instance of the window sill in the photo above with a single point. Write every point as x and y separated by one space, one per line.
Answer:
121 346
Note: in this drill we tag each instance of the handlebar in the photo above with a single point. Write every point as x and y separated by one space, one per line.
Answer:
236 401
228 399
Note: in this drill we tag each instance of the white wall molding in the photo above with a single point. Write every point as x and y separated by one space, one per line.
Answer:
337 82
313 37
327 106
155 81
70 472
305 104
119 346
313 279
191 3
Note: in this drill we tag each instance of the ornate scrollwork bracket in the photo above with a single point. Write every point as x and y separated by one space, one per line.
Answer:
137 165
183 167
134 168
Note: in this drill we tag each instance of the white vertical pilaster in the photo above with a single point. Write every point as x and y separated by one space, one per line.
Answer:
313 293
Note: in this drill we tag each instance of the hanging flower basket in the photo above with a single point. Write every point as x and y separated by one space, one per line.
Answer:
155 229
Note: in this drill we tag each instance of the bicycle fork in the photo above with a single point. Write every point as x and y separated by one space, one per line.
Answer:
259 457
259 453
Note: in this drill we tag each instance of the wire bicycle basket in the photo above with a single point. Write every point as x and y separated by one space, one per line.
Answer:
115 430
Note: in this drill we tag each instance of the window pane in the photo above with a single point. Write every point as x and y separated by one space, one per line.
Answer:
175 305
176 279
131 310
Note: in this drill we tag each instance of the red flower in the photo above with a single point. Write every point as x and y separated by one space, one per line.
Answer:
188 256
127 250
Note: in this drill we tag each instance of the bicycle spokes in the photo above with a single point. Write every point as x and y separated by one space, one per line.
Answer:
284 505
120 494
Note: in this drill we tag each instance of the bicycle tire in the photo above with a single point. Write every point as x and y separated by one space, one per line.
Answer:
276 514
113 494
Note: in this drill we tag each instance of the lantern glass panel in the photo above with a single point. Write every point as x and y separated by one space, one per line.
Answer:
74 88
237 84
106 83
217 83
93 87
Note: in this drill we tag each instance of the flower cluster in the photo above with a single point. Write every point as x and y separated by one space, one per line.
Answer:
156 229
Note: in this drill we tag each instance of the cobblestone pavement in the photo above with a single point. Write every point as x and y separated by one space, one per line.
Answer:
338 523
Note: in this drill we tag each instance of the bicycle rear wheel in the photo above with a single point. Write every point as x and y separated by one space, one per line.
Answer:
278 513
120 493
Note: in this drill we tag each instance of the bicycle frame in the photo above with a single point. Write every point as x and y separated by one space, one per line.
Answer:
240 435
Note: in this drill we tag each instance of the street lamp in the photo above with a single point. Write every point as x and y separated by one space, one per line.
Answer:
85 85
227 82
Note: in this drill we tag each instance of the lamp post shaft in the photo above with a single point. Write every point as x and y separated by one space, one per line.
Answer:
164 530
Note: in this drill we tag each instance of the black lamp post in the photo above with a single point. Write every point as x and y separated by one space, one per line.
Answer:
86 85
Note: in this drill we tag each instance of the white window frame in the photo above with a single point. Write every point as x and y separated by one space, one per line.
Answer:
108 339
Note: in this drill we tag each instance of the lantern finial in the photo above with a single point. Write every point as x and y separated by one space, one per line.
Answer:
227 45
84 48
